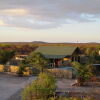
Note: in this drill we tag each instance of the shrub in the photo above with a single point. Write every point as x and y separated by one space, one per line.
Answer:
40 89
82 71
6 68
21 69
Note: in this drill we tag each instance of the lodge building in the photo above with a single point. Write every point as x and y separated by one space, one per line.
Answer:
60 55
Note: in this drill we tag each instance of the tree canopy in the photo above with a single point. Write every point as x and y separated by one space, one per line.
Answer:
37 60
84 70
6 55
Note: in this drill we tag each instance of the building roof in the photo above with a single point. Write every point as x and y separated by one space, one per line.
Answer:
56 51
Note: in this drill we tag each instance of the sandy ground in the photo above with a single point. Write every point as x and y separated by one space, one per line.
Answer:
10 85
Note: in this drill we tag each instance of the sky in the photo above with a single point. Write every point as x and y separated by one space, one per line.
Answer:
50 20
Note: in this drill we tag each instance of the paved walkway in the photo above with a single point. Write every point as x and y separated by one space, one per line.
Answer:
9 85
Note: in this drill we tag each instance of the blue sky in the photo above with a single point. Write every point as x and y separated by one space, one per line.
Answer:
50 20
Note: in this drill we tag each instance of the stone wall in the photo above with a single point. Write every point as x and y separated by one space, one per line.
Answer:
60 73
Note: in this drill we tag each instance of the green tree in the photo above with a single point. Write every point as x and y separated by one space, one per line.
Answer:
82 70
97 49
88 51
37 60
6 55
92 53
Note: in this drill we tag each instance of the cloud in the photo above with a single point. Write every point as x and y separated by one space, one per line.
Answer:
43 14
14 12
28 22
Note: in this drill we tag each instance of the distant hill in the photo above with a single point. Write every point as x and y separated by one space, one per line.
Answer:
42 43
39 42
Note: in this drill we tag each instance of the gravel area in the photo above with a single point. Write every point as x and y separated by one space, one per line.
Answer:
10 84
64 85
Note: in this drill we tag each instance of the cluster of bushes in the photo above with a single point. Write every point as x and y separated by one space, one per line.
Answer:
40 89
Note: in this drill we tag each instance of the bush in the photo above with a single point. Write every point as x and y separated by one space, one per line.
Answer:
6 68
21 69
40 89
20 72
83 71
